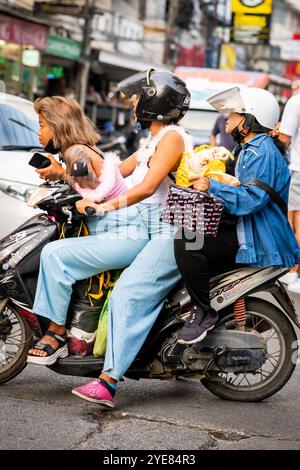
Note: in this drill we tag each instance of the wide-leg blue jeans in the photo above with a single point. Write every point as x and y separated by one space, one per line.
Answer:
116 239
139 293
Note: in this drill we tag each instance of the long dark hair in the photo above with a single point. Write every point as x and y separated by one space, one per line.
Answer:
281 147
259 129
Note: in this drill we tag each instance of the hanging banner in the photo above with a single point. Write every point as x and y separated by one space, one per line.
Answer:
250 21
227 57
23 32
260 7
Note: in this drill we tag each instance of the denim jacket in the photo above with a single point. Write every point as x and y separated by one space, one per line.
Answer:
264 234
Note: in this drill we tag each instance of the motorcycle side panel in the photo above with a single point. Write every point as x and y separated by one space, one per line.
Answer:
16 247
227 288
20 256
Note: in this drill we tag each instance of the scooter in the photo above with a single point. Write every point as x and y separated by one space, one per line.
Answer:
249 355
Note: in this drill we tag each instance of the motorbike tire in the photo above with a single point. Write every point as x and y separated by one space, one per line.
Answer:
19 362
289 342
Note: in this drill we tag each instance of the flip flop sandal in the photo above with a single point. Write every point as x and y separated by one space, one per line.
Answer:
53 354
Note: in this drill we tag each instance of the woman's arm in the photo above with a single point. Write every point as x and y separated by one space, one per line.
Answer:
240 200
244 200
127 167
165 159
53 172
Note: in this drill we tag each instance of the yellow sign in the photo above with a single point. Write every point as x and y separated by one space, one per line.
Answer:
250 20
263 7
227 57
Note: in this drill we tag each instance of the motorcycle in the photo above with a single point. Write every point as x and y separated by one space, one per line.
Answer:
249 355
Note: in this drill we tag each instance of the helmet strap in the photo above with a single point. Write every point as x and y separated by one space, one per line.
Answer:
142 125
240 134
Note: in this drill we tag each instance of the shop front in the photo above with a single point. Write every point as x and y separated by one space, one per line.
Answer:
21 44
58 71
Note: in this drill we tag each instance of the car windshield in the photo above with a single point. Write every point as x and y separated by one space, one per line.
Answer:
199 120
17 129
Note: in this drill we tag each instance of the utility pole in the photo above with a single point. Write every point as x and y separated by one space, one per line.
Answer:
89 9
170 49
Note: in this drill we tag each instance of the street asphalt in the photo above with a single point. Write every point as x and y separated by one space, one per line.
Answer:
39 412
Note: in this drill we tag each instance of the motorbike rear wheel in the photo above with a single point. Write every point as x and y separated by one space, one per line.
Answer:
270 323
14 346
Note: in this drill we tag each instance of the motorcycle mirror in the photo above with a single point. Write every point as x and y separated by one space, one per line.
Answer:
79 168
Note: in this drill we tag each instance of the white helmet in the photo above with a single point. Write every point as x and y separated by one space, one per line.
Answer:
258 102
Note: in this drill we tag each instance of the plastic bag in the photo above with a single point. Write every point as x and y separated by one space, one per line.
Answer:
87 301
205 161
101 336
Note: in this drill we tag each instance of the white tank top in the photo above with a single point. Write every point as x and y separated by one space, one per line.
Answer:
144 154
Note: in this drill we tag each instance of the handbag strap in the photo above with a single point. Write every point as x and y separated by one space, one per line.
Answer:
172 177
274 195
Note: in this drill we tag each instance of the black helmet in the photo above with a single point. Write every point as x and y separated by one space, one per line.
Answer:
164 97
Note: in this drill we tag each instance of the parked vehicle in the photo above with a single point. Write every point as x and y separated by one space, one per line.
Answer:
18 142
203 83
248 356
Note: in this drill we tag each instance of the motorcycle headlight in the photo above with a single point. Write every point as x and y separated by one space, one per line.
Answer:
21 191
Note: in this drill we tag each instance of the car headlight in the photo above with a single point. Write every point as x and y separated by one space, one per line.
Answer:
39 194
21 191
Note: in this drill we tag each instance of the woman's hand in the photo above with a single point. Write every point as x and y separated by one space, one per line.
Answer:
53 172
83 203
200 183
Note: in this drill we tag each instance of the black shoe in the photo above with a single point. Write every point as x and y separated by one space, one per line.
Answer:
197 326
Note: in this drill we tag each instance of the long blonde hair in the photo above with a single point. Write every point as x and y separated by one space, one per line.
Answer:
67 121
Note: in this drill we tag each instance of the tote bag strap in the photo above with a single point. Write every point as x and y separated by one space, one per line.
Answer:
274 195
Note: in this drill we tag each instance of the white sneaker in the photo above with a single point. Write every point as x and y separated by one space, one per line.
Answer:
289 278
295 287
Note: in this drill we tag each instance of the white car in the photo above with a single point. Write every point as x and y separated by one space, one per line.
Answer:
18 142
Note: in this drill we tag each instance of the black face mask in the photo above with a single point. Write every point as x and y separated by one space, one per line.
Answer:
50 147
237 135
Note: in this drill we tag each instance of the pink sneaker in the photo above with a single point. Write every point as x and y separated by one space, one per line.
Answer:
95 392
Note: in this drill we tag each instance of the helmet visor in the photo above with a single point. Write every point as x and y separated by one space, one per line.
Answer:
228 101
134 84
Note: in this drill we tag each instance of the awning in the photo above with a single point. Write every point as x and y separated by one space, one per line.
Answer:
118 66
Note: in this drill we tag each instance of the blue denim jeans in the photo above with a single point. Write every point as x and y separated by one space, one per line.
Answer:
140 292
116 239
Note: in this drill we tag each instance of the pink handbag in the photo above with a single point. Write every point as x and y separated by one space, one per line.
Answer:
193 210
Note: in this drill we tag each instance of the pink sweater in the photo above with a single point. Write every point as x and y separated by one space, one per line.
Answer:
111 182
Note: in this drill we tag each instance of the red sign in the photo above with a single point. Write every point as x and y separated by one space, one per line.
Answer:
194 56
23 32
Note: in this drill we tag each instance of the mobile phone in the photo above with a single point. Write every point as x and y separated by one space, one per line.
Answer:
39 161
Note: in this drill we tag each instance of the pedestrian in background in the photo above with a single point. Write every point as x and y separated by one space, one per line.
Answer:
226 140
290 135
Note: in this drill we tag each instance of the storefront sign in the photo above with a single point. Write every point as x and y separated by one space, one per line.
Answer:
121 33
63 47
261 7
31 57
250 22
22 32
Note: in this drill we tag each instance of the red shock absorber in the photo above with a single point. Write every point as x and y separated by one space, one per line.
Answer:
240 314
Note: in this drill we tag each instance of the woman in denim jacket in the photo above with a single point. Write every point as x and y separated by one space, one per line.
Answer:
259 233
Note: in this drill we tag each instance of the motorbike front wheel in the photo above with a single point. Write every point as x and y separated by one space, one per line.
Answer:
278 334
15 342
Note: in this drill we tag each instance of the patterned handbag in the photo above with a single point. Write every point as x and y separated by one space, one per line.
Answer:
193 210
